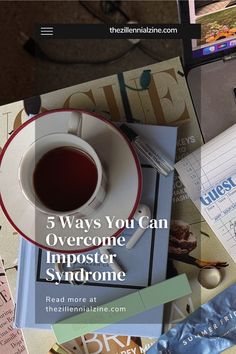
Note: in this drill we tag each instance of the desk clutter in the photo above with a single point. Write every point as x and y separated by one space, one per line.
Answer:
163 267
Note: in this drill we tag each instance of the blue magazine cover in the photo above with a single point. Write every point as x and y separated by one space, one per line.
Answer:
38 300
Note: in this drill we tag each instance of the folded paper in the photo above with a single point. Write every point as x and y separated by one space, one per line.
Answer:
134 303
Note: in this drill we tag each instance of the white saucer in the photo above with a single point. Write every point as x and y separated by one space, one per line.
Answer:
118 159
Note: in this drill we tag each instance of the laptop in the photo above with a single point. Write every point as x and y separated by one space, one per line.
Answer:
210 63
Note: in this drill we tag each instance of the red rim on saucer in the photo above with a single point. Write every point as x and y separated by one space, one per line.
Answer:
133 153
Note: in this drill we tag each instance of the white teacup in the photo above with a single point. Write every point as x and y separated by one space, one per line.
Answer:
36 152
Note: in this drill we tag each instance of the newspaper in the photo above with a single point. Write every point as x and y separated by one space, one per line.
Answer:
11 340
209 175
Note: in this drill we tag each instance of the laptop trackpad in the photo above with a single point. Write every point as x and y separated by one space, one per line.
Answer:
212 87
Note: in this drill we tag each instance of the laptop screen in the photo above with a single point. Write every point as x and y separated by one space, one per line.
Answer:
218 23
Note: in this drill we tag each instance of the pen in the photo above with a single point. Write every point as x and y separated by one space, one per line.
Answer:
153 155
32 105
57 349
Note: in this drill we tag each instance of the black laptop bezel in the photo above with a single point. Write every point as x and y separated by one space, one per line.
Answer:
189 60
